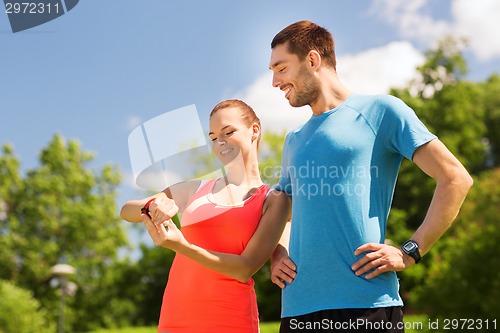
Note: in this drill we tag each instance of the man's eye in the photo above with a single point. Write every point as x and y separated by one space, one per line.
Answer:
213 140
229 133
282 70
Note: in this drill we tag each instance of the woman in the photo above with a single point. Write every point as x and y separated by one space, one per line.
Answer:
230 227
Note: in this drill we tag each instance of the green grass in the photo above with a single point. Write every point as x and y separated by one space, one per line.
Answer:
416 323
151 329
270 327
412 322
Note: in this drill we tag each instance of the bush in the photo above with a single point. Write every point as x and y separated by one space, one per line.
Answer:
20 312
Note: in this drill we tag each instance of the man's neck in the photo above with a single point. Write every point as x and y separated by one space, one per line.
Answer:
333 93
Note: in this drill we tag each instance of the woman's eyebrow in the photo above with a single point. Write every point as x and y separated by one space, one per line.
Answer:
223 128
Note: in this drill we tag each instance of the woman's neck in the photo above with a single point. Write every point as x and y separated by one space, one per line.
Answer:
245 173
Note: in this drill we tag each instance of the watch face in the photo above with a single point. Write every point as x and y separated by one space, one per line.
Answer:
409 247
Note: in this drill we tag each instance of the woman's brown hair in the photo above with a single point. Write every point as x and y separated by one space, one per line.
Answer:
247 113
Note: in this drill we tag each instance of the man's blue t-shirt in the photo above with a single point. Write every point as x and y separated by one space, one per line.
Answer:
340 168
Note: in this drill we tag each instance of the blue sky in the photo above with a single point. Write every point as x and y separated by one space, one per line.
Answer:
100 70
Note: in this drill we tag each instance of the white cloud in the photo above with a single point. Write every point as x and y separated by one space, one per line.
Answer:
407 16
370 72
477 20
271 106
377 70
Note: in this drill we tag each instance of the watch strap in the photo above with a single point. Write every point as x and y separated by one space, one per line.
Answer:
145 209
414 253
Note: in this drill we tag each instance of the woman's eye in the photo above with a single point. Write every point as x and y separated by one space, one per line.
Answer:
213 140
229 133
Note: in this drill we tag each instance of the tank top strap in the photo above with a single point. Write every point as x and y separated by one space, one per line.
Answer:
205 187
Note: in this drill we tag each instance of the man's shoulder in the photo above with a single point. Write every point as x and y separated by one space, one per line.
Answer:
364 103
293 132
376 109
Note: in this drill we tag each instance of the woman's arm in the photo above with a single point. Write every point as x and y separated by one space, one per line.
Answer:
172 199
254 256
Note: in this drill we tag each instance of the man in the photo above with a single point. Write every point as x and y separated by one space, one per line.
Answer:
340 169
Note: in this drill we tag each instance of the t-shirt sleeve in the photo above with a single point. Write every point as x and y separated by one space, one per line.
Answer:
404 131
284 184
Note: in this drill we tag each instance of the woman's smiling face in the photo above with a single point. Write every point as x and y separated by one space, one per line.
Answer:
229 134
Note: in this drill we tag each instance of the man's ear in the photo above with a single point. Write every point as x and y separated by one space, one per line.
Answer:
314 59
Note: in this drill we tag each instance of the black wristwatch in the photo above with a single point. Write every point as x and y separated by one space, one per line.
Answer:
410 247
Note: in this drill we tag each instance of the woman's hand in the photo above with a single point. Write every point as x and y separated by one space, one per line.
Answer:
162 209
165 234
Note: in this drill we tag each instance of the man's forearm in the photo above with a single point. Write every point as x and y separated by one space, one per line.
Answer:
444 208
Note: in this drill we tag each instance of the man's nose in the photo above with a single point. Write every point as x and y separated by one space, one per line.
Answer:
276 81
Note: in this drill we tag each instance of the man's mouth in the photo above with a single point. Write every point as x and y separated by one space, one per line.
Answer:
286 90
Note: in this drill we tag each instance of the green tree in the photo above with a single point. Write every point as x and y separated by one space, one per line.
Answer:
456 114
11 185
270 157
143 282
491 90
464 280
61 212
268 294
443 66
456 111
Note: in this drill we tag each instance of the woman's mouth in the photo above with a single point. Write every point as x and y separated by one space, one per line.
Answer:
226 151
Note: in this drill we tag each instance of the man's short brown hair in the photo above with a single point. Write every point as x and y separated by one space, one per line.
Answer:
304 36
